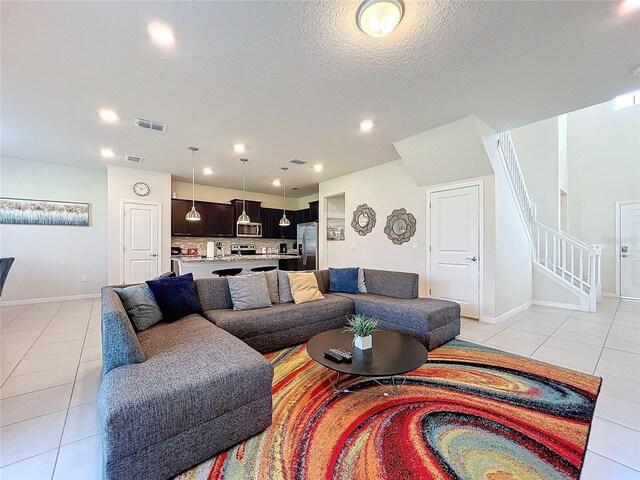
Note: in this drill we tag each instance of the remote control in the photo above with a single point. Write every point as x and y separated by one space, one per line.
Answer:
346 356
333 356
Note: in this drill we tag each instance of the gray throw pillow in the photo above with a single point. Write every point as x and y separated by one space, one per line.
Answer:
284 287
140 305
362 288
272 283
249 291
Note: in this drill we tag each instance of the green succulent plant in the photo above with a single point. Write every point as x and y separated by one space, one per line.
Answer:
361 325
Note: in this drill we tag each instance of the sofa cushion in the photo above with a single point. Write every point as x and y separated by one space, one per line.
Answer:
391 284
343 280
194 372
272 283
304 287
323 280
249 323
284 287
249 292
214 293
141 306
176 297
419 314
120 345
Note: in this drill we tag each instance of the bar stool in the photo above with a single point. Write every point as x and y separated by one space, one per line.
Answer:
227 272
263 269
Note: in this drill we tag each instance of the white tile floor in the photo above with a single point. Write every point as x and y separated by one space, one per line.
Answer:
51 371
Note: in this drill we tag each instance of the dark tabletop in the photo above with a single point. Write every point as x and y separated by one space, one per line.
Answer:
392 353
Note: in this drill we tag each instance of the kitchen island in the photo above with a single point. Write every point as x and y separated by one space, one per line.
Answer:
202 267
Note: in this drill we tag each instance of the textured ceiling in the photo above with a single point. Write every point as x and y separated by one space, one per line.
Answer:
293 79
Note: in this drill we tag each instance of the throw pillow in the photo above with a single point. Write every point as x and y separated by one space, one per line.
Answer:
284 287
343 280
304 287
140 305
272 283
249 291
176 296
362 287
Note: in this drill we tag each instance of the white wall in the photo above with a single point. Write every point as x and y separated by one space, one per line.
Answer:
604 167
120 182
50 260
563 166
537 149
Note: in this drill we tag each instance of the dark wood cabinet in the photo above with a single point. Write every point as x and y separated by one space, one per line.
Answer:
227 220
180 226
314 214
252 208
266 218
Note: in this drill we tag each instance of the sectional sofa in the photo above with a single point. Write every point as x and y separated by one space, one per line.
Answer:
179 393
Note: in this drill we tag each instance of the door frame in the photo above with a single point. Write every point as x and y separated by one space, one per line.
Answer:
456 186
619 204
121 235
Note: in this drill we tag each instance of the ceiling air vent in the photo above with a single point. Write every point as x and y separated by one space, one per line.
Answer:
297 161
131 158
149 125
295 188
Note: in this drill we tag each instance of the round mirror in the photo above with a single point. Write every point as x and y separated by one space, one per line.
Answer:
399 226
363 220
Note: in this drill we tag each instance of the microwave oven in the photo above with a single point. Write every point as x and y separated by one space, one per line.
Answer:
252 229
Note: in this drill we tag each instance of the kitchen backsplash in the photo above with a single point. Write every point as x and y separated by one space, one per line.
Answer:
201 243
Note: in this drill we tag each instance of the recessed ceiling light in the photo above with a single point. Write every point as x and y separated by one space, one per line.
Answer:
629 6
161 34
207 171
238 148
378 18
317 167
366 125
108 115
107 153
276 183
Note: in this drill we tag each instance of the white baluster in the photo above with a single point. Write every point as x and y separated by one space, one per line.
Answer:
581 269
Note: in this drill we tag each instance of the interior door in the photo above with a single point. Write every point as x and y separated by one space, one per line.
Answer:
140 242
630 250
454 244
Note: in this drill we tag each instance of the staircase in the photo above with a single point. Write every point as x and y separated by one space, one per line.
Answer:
568 261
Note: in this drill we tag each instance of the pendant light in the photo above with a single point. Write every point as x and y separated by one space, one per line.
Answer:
284 221
244 218
193 215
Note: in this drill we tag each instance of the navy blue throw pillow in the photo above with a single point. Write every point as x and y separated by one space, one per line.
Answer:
343 280
176 296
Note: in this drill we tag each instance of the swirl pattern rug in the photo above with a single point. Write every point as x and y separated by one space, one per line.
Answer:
469 413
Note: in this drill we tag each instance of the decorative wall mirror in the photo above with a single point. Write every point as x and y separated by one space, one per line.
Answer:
364 219
401 226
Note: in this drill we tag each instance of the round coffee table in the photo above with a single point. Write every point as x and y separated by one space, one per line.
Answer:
392 354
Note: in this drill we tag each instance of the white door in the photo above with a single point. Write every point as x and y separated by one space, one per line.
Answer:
454 243
140 242
630 250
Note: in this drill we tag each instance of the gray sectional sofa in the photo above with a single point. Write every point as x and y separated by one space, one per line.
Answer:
179 393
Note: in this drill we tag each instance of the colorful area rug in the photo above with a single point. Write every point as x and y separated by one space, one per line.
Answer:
470 413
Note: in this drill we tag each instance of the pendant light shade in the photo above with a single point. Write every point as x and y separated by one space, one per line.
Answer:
284 221
193 215
244 218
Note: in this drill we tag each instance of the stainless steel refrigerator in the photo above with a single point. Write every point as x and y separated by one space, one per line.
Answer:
308 246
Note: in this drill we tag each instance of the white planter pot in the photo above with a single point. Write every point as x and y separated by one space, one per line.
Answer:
363 343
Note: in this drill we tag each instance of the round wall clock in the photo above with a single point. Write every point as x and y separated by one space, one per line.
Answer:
141 189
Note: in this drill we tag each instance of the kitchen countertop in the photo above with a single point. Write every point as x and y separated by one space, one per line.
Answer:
234 258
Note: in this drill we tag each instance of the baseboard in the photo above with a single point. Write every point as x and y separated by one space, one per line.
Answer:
11 303
567 306
507 315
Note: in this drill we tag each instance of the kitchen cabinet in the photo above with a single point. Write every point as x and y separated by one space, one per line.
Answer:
252 208
180 226
217 220
266 218
314 211
227 220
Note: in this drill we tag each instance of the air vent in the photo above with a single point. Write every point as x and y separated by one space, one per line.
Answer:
131 158
295 188
149 125
297 161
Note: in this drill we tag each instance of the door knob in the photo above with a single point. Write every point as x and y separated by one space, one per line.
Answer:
473 259
624 255
154 255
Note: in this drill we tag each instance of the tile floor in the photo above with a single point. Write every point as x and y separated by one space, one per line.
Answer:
51 371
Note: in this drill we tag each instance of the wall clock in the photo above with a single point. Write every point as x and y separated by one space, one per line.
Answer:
141 189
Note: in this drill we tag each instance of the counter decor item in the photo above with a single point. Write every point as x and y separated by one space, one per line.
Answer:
361 326
19 211
211 249
364 219
400 227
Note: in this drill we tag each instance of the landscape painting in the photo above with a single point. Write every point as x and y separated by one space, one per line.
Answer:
335 229
43 212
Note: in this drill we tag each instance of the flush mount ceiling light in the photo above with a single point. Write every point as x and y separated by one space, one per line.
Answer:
378 18
107 153
284 221
107 115
366 125
207 171
161 34
276 183
318 167
238 148
244 218
193 215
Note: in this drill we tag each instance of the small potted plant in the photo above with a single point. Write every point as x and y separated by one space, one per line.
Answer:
361 326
